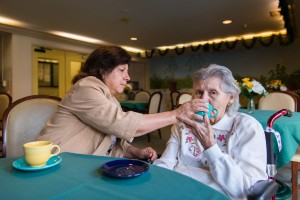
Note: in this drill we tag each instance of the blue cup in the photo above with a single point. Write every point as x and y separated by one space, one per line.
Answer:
212 112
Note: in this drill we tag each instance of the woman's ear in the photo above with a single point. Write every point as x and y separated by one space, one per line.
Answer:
231 99
102 73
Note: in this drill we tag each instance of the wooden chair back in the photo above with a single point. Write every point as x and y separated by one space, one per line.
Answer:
278 100
173 96
142 96
154 107
183 97
5 101
24 119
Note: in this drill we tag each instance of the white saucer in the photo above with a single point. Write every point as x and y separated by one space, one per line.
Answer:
20 164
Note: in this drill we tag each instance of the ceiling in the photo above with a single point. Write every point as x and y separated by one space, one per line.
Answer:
155 23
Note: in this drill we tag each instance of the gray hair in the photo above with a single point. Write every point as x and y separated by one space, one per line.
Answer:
228 83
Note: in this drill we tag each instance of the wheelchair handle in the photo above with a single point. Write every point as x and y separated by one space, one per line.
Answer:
283 112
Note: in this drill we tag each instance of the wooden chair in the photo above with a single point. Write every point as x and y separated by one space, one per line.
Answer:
24 119
280 100
154 107
173 96
5 101
142 96
285 100
183 97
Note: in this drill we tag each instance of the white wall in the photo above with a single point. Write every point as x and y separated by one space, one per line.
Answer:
19 60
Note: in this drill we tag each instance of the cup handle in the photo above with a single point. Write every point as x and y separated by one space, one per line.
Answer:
216 114
57 150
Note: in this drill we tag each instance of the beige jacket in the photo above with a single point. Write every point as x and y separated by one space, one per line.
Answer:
87 117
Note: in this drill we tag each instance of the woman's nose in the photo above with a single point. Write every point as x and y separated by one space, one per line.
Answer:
205 96
127 77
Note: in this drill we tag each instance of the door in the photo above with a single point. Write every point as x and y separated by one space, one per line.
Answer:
73 63
48 72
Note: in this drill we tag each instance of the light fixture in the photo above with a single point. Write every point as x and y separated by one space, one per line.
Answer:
227 21
77 37
133 38
131 49
11 22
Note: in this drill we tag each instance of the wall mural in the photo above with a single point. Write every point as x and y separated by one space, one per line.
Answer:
175 72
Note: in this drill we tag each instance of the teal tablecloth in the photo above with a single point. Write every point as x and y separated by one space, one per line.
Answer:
135 105
78 177
289 129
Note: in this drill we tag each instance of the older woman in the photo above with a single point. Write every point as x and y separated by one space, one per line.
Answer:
90 120
227 152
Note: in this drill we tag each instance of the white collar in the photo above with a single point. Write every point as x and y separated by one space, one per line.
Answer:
225 123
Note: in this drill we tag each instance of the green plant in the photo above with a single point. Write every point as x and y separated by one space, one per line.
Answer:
291 81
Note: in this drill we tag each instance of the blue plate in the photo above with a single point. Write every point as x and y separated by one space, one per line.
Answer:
21 164
125 168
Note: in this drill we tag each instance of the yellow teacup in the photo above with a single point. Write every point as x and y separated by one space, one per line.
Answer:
37 153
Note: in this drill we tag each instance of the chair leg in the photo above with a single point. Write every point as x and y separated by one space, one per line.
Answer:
148 135
295 169
159 133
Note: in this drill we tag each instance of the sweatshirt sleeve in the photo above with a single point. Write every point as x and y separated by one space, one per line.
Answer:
169 157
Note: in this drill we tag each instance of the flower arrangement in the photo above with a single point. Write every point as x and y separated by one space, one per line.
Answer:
276 85
127 88
251 89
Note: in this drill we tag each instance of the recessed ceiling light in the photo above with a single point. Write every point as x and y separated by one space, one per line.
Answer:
228 21
77 37
133 38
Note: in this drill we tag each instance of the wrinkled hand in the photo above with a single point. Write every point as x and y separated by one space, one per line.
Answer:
147 154
202 130
188 109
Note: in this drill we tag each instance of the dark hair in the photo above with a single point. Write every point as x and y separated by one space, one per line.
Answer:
102 60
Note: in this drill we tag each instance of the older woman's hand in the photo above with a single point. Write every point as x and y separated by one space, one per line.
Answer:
202 130
147 153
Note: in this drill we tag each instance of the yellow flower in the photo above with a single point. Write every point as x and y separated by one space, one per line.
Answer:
249 84
276 85
251 89
246 79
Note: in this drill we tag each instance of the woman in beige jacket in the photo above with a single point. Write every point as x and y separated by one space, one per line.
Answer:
90 120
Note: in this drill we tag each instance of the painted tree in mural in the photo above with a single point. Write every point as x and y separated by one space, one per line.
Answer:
170 74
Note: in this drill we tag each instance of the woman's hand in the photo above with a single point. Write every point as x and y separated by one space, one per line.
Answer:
147 153
202 130
188 109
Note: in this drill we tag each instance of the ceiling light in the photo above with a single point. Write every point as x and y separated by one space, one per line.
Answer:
217 40
248 37
266 34
11 22
131 49
133 38
231 39
228 21
77 37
